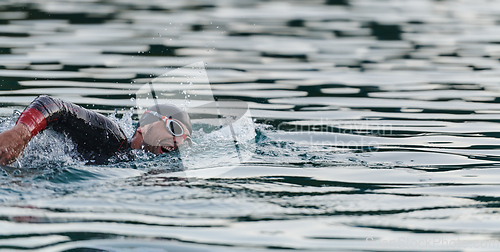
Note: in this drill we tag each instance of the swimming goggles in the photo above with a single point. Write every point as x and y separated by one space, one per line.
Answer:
173 126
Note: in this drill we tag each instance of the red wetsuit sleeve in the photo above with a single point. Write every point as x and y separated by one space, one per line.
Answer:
34 119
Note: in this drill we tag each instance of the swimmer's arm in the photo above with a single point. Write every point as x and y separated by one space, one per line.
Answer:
12 142
92 132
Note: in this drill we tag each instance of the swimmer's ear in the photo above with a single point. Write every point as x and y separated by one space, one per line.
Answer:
138 131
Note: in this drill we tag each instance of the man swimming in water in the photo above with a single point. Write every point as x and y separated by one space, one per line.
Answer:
162 128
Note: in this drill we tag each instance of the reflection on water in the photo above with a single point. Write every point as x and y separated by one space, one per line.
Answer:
376 125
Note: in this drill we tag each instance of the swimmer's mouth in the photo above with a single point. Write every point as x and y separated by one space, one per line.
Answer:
164 149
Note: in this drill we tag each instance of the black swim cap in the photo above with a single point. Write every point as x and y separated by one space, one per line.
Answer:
169 111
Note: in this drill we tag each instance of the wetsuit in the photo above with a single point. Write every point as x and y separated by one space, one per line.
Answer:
97 138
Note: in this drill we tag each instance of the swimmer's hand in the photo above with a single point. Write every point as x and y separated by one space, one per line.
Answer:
12 143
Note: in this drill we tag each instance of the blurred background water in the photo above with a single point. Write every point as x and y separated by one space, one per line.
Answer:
376 125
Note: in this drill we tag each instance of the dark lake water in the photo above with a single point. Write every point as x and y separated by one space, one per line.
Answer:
372 125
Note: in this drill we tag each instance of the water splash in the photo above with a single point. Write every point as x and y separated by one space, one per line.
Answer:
126 123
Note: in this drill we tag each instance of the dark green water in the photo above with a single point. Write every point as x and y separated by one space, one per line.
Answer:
376 126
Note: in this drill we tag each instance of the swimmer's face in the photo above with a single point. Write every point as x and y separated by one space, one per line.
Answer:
157 139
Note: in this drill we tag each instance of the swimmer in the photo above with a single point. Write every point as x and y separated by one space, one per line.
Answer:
162 128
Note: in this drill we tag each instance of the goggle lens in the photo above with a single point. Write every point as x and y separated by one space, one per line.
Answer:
174 127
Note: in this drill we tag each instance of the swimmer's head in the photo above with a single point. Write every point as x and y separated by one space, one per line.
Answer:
162 128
